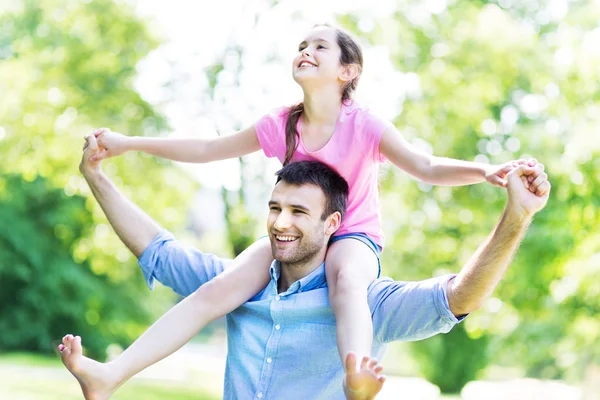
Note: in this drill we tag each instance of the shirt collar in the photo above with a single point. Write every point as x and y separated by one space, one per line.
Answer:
314 280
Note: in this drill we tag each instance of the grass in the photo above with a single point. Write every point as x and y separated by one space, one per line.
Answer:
29 377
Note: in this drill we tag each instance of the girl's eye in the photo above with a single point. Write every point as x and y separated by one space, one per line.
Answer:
321 47
301 48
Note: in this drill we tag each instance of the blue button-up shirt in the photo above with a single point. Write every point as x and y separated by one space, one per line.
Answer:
283 345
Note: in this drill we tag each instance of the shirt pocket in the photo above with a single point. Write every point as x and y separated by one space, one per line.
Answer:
316 349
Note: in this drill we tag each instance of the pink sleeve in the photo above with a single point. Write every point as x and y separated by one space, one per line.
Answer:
270 131
373 129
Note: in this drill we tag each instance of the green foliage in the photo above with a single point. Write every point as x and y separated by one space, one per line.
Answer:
69 67
43 291
452 368
477 64
240 226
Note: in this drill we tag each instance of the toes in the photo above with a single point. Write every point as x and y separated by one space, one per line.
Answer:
76 345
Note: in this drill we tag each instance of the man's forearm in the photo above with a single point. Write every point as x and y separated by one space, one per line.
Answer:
134 227
480 276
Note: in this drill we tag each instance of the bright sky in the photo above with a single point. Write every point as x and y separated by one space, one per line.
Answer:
197 34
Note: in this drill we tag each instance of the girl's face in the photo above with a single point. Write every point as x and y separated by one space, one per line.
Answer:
318 59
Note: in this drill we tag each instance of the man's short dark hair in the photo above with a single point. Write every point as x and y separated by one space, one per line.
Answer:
319 174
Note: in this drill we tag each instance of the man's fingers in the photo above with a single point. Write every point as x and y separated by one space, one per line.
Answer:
528 170
91 142
543 189
538 181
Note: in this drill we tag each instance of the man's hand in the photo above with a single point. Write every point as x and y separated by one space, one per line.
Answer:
111 143
134 227
90 149
528 190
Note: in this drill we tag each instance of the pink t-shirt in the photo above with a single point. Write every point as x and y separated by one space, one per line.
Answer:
353 151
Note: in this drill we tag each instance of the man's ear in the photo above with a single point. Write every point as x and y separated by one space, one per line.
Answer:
333 223
348 73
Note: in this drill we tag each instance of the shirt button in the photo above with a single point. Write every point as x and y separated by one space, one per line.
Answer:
278 297
259 395
269 360
278 327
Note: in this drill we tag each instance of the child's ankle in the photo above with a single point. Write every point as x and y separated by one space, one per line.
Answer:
117 372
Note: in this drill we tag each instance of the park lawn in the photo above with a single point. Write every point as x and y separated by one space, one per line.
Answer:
30 377
26 376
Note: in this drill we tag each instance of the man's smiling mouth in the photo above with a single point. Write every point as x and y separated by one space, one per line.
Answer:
283 238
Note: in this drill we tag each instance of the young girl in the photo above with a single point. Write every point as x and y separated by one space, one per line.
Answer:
327 126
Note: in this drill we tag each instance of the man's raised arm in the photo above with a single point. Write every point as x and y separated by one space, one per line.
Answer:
479 277
135 228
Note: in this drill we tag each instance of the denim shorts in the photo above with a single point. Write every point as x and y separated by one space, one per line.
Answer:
362 237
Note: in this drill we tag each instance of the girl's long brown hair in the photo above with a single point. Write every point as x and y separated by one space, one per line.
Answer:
351 53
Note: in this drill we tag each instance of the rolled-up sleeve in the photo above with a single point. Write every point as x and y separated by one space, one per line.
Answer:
182 268
408 311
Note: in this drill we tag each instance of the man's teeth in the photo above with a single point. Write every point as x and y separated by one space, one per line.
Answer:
285 238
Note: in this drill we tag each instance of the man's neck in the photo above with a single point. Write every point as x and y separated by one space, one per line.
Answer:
292 272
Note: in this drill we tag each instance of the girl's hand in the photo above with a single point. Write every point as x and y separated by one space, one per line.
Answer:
111 144
496 174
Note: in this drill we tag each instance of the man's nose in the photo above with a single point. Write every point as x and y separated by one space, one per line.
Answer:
283 221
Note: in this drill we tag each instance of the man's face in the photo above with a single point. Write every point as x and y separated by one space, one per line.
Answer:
295 227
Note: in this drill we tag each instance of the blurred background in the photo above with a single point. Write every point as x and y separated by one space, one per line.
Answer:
488 81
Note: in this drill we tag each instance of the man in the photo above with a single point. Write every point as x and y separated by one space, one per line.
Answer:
281 343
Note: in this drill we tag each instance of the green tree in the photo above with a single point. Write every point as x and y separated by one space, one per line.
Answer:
66 68
43 290
495 84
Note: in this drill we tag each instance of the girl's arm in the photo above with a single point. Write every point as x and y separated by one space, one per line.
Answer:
438 170
193 150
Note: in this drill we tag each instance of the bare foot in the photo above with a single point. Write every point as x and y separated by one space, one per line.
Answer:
364 383
96 379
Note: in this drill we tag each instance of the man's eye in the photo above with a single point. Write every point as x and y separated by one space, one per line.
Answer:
273 208
299 212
